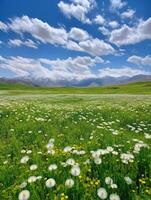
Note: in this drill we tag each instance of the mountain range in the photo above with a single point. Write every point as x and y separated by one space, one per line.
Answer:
89 82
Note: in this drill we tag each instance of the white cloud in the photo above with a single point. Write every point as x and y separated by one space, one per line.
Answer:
96 47
128 14
18 43
132 35
76 39
140 60
117 4
113 24
104 30
21 66
3 26
118 72
99 20
78 68
77 9
39 30
70 68
78 34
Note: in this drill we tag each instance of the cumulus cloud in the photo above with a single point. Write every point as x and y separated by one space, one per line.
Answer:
76 39
128 14
78 68
99 20
69 68
78 34
118 72
77 9
140 60
96 47
132 35
117 4
104 30
3 26
39 30
18 43
21 66
113 24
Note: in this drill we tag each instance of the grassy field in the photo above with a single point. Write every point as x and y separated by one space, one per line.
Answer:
132 88
75 146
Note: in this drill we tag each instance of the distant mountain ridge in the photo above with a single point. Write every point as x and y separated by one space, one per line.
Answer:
89 82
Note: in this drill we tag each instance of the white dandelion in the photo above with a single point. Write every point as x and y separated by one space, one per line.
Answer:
114 197
75 170
102 193
69 183
32 179
24 159
50 183
33 167
128 180
52 167
24 195
108 180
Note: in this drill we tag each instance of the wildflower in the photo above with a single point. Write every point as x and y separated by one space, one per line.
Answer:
24 159
97 161
5 162
29 151
114 197
113 186
50 183
108 180
128 180
102 193
32 179
23 151
24 195
67 149
69 183
75 170
70 161
23 185
33 167
52 167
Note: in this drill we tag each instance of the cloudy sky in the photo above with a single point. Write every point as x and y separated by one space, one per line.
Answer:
75 39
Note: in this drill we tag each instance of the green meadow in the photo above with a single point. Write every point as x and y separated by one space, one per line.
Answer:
75 143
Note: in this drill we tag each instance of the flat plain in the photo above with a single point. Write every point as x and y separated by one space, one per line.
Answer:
75 144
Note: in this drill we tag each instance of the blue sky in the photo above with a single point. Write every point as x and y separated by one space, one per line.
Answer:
75 39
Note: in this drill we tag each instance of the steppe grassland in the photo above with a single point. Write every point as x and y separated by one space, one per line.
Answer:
75 147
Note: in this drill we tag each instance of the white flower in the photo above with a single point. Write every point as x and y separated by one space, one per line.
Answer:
97 161
33 167
102 193
24 159
29 151
50 183
109 149
70 161
24 195
39 177
128 180
23 185
23 151
67 149
75 170
69 183
52 167
114 197
108 181
32 179
113 186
